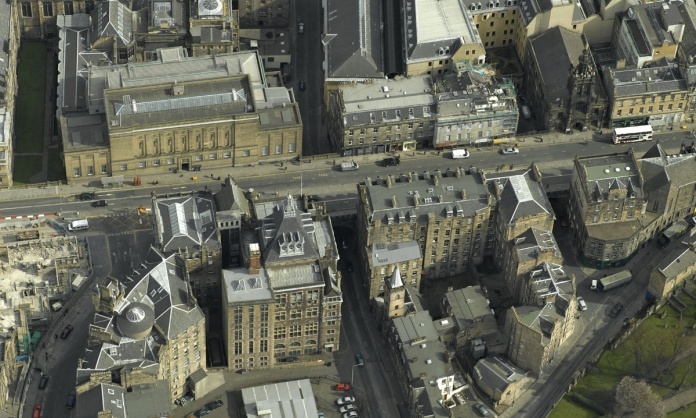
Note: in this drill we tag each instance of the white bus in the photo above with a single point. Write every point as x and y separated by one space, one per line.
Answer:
78 225
633 134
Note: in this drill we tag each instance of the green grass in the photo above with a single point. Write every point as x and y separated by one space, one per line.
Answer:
26 166
31 76
56 171
567 409
689 412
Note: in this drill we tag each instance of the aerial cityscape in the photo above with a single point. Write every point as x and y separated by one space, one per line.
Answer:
347 208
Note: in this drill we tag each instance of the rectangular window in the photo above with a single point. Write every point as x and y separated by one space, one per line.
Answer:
142 164
199 157
156 163
76 171
48 9
291 147
124 167
26 9
213 156
68 8
103 169
227 154
278 149
170 161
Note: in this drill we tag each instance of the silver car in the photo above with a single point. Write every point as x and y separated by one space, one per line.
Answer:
509 150
348 408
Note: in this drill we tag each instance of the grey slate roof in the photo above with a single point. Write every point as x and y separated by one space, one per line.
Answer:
549 279
230 201
104 396
394 253
456 194
468 305
644 81
522 196
493 375
148 400
435 29
677 262
187 222
288 234
532 241
112 18
352 40
660 169
555 51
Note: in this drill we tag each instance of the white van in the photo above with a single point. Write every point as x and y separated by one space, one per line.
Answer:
78 225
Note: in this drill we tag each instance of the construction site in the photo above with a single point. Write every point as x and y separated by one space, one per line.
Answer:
40 268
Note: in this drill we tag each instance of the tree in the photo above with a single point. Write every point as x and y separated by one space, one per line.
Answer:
677 341
635 399
689 369
636 345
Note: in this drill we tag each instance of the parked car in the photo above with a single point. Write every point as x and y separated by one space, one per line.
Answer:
391 162
300 28
66 331
290 360
302 85
203 412
348 408
87 196
243 371
37 411
359 360
616 310
345 400
509 150
43 382
71 399
342 387
214 405
481 410
99 203
581 303
350 266
321 415
351 414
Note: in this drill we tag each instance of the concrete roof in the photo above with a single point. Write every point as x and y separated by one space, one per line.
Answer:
187 222
286 399
645 81
352 40
607 172
394 253
82 131
387 100
241 286
461 195
294 277
437 28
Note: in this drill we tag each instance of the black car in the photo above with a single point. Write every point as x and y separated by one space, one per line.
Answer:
43 382
350 266
70 401
66 331
87 196
214 404
616 310
390 162
99 203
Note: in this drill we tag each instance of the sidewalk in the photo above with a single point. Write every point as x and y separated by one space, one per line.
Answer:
675 402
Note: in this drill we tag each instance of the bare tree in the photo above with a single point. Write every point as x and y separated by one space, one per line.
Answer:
657 357
636 399
676 339
636 345
689 369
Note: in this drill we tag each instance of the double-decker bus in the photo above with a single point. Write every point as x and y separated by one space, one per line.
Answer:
633 134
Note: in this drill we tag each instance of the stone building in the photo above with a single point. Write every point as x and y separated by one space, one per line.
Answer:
532 247
9 46
264 13
473 107
382 116
9 368
446 212
657 95
520 203
472 315
606 207
670 182
562 83
214 27
422 363
284 304
673 272
384 259
147 328
543 283
647 32
113 400
535 333
686 60
177 113
500 380
232 211
187 225
436 34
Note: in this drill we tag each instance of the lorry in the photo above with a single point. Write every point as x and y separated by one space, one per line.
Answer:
459 153
671 233
614 280
349 166
77 281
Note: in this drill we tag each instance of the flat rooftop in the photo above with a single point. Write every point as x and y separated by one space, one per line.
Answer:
241 286
285 399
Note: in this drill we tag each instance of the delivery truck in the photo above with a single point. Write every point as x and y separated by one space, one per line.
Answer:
460 153
615 280
349 166
672 233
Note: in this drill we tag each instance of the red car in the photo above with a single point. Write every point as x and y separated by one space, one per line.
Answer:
37 411
342 387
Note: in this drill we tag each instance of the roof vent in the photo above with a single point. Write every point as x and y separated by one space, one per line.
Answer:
617 169
178 89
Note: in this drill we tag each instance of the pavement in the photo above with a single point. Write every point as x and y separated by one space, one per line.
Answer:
678 400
